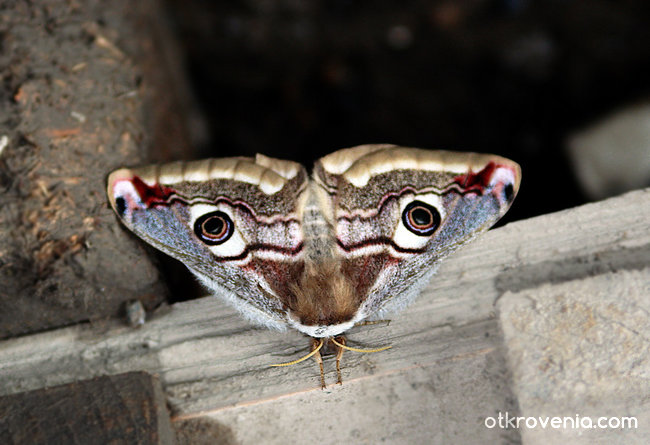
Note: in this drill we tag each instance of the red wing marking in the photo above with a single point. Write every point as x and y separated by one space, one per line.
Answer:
151 194
477 181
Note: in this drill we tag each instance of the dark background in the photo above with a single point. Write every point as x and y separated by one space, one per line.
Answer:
299 79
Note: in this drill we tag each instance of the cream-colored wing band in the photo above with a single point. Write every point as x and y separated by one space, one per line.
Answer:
268 173
359 164
340 161
286 169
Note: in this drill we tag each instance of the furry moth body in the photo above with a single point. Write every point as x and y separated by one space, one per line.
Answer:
355 242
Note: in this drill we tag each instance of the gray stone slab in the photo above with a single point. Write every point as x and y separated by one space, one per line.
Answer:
120 409
580 348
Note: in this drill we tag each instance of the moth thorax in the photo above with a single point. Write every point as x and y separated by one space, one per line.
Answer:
323 295
318 233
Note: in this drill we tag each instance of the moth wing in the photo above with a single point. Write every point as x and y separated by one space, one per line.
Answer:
234 222
397 212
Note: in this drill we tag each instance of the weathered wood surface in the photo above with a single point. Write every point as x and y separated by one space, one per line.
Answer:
443 376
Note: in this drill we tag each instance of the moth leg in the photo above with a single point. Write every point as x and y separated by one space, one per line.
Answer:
339 354
368 323
315 343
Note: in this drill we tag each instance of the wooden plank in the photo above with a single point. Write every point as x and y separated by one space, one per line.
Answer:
121 409
211 362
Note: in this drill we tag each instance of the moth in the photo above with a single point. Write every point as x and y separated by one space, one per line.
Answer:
355 242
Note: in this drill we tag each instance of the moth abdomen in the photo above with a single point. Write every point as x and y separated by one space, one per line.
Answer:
323 295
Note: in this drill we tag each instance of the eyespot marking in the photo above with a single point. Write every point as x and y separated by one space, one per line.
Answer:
509 192
421 218
120 205
214 228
